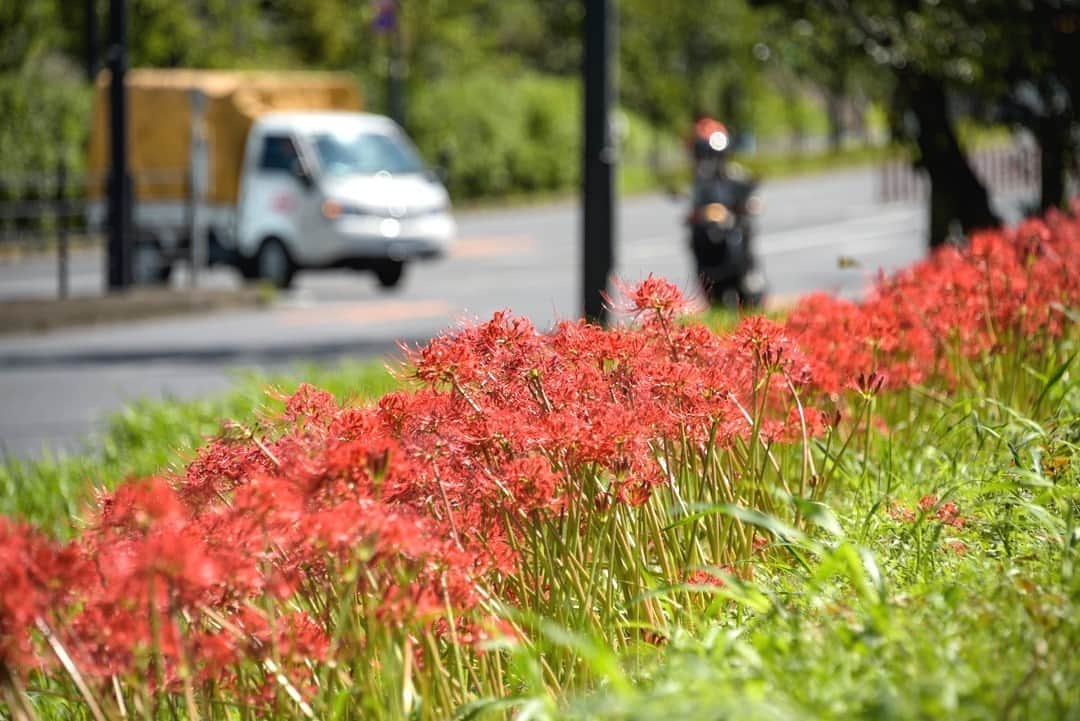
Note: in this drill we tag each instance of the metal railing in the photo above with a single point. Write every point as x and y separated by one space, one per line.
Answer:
1002 169
37 209
45 211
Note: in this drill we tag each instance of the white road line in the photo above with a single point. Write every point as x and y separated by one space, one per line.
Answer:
853 244
859 234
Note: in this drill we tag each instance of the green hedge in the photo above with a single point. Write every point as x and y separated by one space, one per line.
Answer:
46 115
501 134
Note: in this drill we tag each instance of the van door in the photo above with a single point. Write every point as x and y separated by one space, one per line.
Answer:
274 201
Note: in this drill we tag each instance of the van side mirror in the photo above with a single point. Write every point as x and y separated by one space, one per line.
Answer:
302 174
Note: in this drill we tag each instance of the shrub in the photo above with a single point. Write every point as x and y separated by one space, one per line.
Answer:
45 107
503 134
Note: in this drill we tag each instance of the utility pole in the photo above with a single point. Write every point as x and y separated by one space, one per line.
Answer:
198 182
599 157
93 52
119 248
397 77
387 23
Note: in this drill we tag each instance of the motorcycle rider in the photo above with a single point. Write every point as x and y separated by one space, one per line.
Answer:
722 252
705 128
710 148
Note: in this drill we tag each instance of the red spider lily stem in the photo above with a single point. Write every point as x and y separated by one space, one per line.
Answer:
72 670
455 533
465 673
185 677
807 460
870 399
461 391
290 690
250 435
14 695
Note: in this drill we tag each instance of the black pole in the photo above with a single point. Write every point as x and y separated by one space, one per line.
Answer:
396 74
93 52
598 161
61 229
119 255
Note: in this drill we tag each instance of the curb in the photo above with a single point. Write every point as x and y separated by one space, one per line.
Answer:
30 316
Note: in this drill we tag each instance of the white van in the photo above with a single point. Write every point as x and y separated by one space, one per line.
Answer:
270 172
330 190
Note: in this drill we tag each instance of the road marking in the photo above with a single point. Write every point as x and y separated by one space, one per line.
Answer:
491 246
362 313
819 235
859 243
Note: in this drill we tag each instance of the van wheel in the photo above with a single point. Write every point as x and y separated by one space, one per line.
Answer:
274 264
389 273
148 264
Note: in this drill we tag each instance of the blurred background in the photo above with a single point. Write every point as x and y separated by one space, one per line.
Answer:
872 129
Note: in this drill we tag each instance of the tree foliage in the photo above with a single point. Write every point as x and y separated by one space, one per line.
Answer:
1017 60
749 62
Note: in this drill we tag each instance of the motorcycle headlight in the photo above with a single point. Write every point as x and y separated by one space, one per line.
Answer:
716 213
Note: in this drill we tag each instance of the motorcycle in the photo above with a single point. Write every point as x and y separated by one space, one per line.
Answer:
721 223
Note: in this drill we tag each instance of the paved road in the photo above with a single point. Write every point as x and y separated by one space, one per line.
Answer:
57 387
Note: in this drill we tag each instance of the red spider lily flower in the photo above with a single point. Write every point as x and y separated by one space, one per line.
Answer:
869 384
928 502
652 298
36 576
714 578
949 514
898 512
220 466
533 483
137 506
930 505
956 546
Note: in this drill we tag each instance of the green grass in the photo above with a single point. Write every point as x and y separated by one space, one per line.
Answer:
151 437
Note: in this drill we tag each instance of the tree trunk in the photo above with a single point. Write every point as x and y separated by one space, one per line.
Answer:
1053 143
956 194
834 108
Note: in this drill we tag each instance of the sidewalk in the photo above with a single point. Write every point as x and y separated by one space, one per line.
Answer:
42 314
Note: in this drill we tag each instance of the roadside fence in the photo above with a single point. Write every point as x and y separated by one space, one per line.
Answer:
60 210
42 209
1002 169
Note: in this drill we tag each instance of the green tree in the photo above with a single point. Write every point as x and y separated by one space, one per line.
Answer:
1020 57
677 59
28 30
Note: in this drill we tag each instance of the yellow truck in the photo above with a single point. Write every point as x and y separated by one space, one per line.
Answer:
271 173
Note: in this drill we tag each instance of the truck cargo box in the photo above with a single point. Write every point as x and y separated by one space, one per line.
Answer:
160 119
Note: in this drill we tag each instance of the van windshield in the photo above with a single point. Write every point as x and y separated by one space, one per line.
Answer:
366 154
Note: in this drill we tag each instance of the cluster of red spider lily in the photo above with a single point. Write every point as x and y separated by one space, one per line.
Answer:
929 506
420 510
1004 286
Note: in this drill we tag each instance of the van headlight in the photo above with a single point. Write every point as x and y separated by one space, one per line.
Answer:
332 210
